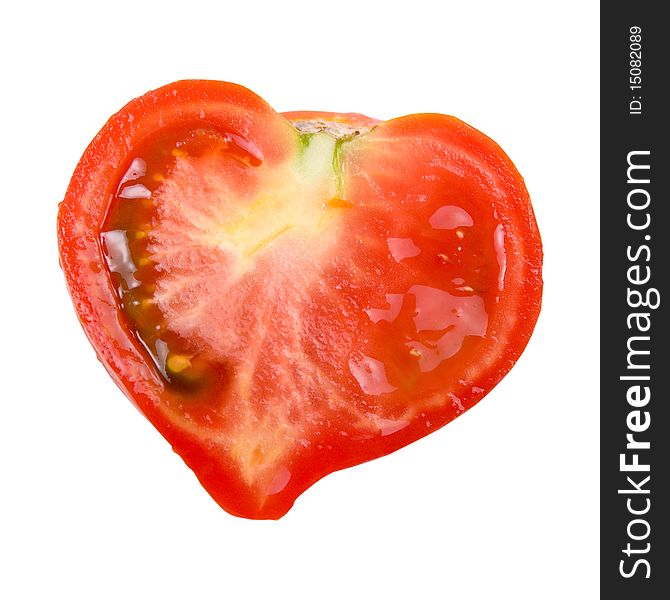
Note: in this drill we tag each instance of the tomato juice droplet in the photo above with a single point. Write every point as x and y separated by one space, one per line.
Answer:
371 375
132 192
402 248
386 314
137 169
501 256
388 426
450 217
119 258
279 481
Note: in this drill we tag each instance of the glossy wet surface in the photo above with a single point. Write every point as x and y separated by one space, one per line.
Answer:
280 303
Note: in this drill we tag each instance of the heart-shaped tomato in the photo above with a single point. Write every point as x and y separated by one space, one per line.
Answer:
287 295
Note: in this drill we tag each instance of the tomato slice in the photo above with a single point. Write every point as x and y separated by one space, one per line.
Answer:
288 295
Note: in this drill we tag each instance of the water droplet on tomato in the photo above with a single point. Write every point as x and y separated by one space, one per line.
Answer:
499 244
434 308
244 150
450 217
388 426
161 354
370 374
439 311
456 402
402 248
135 191
119 259
137 169
387 314
279 481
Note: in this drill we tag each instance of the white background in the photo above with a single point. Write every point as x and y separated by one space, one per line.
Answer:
502 503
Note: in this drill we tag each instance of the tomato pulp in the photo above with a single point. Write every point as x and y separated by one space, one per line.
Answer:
287 295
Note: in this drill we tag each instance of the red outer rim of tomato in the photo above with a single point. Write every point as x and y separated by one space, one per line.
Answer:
82 212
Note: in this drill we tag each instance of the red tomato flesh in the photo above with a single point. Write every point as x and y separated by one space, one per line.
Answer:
306 292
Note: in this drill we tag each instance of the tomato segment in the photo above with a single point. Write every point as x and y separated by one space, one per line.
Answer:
285 297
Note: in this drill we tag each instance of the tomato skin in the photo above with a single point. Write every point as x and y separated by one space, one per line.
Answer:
82 213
